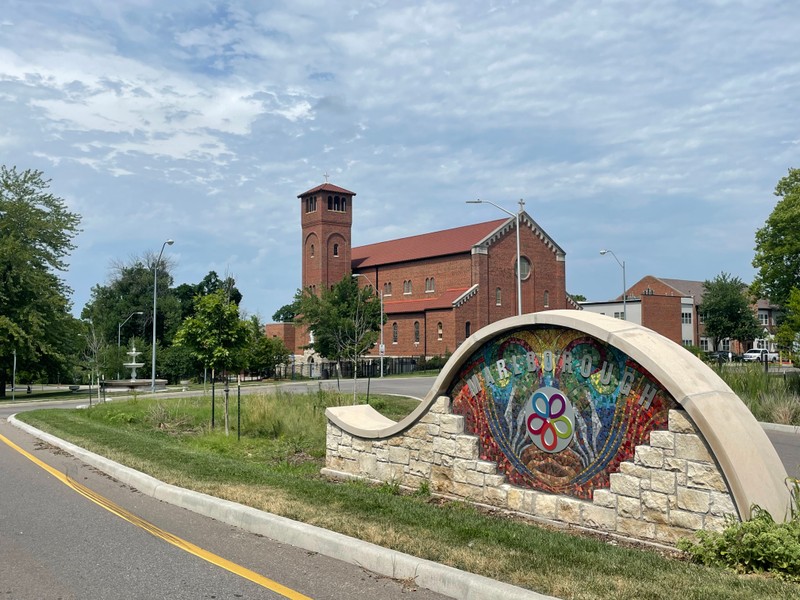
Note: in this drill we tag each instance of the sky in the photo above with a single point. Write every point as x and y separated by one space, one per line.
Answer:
657 130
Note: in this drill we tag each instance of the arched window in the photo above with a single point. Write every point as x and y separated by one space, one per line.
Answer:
498 297
344 204
546 299
311 251
439 330
467 329
336 249
394 333
336 203
330 202
407 286
387 288
416 332
430 284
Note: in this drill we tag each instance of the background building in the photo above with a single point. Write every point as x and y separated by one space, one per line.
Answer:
438 288
673 308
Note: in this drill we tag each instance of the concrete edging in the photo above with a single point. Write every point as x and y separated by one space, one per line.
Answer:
383 561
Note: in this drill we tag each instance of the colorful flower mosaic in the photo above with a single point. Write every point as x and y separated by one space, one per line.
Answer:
556 409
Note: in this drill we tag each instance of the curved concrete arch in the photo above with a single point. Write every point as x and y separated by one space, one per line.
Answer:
747 459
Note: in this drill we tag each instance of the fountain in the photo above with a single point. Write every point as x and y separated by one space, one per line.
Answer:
132 384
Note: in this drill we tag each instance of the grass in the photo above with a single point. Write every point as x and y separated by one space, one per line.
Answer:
772 398
275 467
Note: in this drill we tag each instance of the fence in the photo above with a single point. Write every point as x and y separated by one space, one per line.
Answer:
367 367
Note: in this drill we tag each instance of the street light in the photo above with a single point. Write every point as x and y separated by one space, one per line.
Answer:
382 348
519 259
119 332
624 286
155 289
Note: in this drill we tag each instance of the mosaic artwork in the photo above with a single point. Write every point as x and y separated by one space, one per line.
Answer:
556 409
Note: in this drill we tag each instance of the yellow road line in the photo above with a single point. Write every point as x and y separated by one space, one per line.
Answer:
160 533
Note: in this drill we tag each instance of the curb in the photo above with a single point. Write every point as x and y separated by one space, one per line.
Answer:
436 577
781 428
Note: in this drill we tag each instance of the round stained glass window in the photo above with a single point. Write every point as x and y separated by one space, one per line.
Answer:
526 267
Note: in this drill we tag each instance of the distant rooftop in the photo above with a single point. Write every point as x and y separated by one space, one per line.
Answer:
327 187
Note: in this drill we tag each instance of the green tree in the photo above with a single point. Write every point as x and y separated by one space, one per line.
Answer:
788 334
777 256
345 320
215 335
727 310
286 313
36 233
263 353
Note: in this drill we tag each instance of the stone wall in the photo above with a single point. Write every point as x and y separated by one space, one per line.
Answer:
672 488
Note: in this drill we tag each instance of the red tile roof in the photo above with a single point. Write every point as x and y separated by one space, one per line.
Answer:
427 245
445 300
327 187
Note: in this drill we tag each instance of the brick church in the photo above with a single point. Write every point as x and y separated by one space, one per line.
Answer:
438 288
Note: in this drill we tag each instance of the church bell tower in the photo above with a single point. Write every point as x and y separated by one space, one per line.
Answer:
326 217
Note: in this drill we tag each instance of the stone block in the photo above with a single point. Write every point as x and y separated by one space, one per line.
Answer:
686 519
516 499
361 445
545 505
497 496
467 446
625 485
691 447
697 501
486 467
447 460
419 431
638 471
636 528
647 456
419 468
368 465
679 422
460 469
441 405
452 424
468 492
598 517
629 508
663 482
441 480
704 476
390 472
399 455
475 478
494 480
667 534
662 439
655 507
433 430
444 446
677 465
568 510
713 523
605 498
722 504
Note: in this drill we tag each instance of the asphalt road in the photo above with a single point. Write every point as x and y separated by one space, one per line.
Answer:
57 544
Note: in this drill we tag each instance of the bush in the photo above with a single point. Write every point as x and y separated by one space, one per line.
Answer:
759 545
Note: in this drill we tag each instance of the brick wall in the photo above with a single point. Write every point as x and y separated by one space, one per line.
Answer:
663 314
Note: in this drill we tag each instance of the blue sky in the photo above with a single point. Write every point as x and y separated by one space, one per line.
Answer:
657 129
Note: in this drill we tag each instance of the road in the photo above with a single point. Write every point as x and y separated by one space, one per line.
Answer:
56 543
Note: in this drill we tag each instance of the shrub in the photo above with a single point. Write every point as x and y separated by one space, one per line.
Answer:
757 545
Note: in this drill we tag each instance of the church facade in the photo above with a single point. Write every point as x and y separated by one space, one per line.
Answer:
438 288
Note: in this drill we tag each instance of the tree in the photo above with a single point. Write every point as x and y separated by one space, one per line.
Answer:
788 334
345 320
215 335
727 310
286 313
263 353
36 232
777 248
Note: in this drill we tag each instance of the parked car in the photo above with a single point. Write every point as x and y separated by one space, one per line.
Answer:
723 356
759 354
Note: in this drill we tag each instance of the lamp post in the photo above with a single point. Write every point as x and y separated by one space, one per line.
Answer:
519 258
119 333
624 285
382 348
155 290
